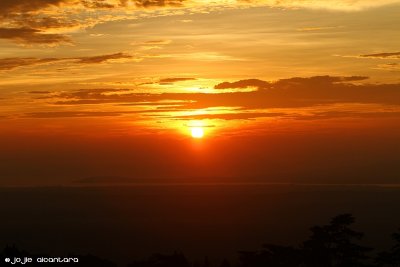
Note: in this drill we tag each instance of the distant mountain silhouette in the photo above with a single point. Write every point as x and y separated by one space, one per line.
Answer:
109 180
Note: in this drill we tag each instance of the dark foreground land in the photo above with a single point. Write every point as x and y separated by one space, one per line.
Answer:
204 225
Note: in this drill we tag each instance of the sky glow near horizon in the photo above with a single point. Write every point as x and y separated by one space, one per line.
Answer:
237 69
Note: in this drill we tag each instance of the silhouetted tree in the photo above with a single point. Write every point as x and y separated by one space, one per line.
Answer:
251 259
206 262
333 245
391 257
272 255
225 263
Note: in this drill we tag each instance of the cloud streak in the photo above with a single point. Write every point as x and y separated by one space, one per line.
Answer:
395 55
37 21
294 93
285 93
347 5
13 63
158 3
312 98
104 58
75 114
33 36
168 81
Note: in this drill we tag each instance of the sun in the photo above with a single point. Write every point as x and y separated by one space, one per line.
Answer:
197 129
197 132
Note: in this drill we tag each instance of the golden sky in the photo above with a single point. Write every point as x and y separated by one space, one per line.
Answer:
158 69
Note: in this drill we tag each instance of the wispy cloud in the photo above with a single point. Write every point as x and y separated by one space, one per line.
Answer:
75 114
158 42
45 22
104 58
33 36
389 67
347 5
13 63
243 84
312 93
392 55
156 3
317 29
167 81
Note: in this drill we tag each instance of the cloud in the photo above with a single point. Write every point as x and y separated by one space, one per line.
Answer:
86 92
45 22
285 93
313 29
348 113
39 92
23 6
395 55
75 114
319 97
103 58
33 36
98 4
13 63
389 67
345 5
260 84
325 79
151 44
29 6
167 81
158 3
26 21
158 42
232 116
242 84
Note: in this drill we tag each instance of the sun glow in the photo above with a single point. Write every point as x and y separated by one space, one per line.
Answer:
197 132
196 129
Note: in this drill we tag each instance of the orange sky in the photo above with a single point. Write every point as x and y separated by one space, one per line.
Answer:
283 91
